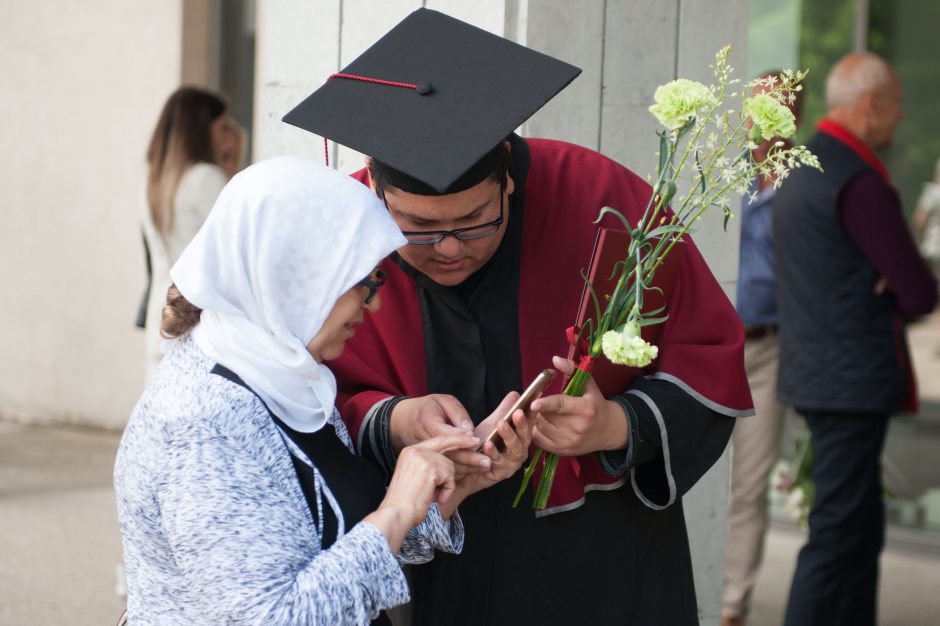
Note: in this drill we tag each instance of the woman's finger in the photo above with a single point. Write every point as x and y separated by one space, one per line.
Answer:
444 479
457 441
469 461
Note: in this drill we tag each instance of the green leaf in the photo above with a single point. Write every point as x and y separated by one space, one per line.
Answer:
662 230
618 268
669 191
590 326
590 288
663 150
652 321
616 214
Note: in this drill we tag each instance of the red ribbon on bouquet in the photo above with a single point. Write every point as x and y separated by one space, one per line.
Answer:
586 364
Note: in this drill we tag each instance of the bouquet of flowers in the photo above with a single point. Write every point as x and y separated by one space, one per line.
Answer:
793 481
699 134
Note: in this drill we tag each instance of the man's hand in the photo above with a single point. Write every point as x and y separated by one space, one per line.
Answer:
514 448
417 419
503 464
573 426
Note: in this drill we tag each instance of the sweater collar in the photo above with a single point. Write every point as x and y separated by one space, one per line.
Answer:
840 132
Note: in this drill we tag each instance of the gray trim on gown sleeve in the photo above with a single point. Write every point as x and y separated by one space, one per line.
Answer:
666 457
714 406
374 442
617 462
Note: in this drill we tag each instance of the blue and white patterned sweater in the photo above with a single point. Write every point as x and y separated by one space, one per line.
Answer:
215 526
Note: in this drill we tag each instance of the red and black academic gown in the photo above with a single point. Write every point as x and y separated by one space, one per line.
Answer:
612 547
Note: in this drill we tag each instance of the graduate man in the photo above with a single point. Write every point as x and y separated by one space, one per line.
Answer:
477 304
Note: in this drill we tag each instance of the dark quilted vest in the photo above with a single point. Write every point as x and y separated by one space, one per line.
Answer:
841 346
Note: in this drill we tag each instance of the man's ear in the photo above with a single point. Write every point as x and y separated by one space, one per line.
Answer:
868 102
368 163
510 183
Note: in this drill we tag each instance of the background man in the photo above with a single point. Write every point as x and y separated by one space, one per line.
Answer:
848 274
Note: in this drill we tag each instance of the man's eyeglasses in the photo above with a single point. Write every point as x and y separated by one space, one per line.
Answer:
468 233
372 282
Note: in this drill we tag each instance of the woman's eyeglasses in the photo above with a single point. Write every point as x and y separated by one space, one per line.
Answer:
372 282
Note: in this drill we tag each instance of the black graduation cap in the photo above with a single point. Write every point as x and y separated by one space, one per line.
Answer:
451 93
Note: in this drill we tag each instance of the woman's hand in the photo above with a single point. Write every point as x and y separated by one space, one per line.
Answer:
423 474
503 461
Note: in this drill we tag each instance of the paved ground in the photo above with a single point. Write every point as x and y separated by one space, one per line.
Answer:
59 540
909 583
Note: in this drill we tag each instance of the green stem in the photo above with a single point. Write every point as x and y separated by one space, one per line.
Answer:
575 387
545 482
527 476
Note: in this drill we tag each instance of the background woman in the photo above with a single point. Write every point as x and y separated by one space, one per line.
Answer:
194 150
239 498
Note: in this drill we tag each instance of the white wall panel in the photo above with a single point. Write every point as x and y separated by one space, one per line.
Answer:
639 55
83 85
485 14
298 47
573 32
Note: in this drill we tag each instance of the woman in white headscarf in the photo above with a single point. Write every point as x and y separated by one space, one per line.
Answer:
239 498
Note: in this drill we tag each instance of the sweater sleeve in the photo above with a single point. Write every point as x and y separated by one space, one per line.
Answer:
433 533
871 214
246 559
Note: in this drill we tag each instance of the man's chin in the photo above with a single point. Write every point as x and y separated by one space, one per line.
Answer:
448 279
448 274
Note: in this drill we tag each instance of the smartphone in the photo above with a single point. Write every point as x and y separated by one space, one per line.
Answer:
533 391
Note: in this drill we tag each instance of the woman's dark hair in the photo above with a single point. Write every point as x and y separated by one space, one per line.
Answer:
180 139
493 165
179 315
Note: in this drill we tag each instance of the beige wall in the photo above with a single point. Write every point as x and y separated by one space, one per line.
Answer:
83 83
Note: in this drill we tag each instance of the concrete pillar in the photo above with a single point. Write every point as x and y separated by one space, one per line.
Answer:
625 48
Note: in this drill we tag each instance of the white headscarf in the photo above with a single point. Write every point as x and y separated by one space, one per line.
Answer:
285 239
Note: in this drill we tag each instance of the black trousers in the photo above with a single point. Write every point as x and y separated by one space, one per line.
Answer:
836 580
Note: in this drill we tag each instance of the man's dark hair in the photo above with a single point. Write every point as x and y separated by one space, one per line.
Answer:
494 164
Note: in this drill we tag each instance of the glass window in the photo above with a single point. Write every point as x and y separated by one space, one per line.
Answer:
814 35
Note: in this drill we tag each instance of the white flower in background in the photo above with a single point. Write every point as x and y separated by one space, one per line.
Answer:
794 503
